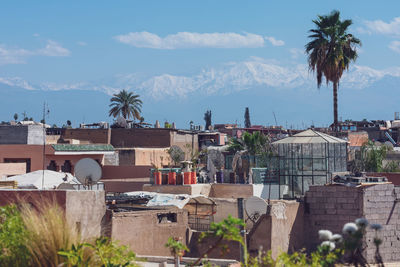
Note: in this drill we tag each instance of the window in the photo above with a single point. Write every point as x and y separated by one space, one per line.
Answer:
167 217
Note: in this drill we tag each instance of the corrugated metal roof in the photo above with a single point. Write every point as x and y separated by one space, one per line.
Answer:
310 137
87 147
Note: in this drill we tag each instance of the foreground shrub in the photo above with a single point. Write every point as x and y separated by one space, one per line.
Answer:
48 233
103 252
13 236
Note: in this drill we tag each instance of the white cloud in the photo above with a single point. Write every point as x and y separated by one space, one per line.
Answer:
381 27
193 40
36 35
274 41
81 43
296 52
53 49
16 81
13 55
395 46
19 55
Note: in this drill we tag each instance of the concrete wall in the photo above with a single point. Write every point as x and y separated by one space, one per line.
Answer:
330 207
32 152
183 140
148 156
144 234
8 169
225 207
287 224
125 178
85 209
381 206
111 159
231 190
124 172
194 189
94 136
27 134
137 137
259 237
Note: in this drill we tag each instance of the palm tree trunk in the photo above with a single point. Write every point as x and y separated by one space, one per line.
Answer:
335 109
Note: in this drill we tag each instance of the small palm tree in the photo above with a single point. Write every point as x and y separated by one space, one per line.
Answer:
330 52
125 104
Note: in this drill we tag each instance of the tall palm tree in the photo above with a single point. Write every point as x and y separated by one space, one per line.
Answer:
330 52
126 104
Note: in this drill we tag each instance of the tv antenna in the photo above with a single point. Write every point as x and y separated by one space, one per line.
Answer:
46 112
88 172
255 207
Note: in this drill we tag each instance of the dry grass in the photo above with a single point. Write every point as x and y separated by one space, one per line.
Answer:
49 233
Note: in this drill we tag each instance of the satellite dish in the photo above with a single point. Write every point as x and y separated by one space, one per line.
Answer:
87 171
255 207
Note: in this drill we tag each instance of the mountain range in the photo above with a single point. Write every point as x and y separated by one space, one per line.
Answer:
264 86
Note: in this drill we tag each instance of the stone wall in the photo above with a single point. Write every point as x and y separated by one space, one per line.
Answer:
330 207
381 206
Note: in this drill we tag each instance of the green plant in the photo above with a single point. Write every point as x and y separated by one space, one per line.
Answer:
103 252
126 104
13 238
372 157
228 229
177 248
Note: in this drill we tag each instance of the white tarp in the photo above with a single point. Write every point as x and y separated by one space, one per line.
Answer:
160 199
33 180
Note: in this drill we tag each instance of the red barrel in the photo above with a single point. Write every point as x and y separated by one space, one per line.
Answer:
157 177
187 178
172 178
193 178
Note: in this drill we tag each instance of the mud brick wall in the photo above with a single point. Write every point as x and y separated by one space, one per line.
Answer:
330 207
381 206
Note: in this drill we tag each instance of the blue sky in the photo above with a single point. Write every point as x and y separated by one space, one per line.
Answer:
98 45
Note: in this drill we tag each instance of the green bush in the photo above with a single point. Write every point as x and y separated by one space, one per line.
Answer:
13 237
103 252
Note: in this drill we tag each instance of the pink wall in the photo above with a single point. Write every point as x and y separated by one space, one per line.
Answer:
35 154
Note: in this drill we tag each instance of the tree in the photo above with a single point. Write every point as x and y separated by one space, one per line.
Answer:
247 123
207 118
331 51
15 116
125 104
69 123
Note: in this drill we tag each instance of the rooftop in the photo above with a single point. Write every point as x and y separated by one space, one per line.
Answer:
308 137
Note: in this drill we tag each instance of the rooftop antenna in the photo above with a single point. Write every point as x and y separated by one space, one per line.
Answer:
255 207
276 123
46 112
88 172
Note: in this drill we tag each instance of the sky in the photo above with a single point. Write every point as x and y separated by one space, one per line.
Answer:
189 53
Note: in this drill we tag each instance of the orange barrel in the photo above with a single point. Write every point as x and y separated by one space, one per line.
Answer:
187 178
193 178
172 178
157 177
